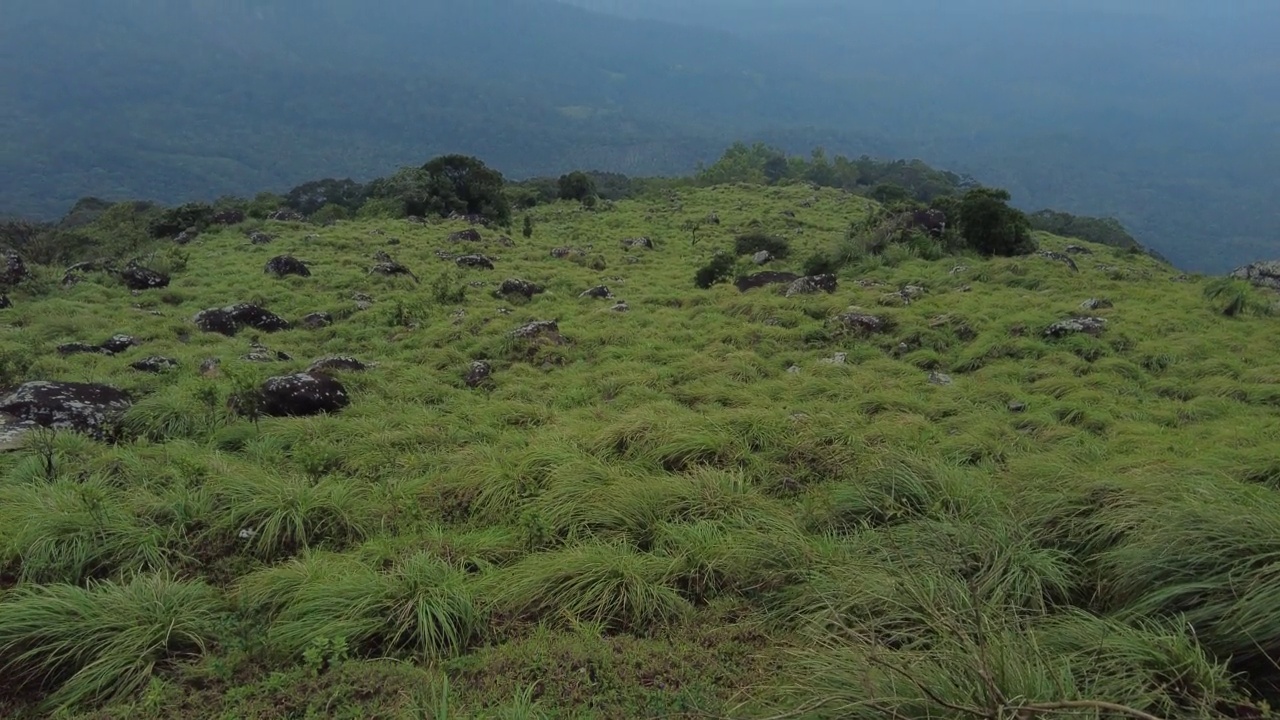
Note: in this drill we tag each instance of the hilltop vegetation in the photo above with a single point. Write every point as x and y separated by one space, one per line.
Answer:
937 483
1158 114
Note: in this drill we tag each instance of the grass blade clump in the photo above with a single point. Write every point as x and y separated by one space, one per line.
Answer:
420 605
282 514
608 584
105 640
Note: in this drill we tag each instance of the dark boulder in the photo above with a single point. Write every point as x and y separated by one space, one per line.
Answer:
761 279
119 343
15 269
939 378
599 292
538 329
186 236
863 324
282 265
285 215
1072 326
154 364
385 266
478 374
302 394
1264 274
1059 257
811 285
316 320
339 362
75 348
136 277
645 243
1096 304
468 235
82 407
563 252
5 302
475 261
261 353
258 237
516 286
228 320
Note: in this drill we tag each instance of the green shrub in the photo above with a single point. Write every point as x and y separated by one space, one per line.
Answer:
717 271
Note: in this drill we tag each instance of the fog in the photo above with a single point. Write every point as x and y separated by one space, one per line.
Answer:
1162 113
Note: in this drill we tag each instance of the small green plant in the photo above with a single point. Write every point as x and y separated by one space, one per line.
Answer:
323 654
448 289
1233 297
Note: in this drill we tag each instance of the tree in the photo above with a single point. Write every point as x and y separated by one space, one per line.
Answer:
465 185
528 226
576 185
776 169
309 197
990 226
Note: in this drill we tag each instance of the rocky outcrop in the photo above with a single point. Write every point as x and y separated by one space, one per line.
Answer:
386 266
761 279
644 243
136 277
86 408
599 292
111 346
15 269
154 364
516 286
1096 304
1059 257
811 285
863 324
1073 326
537 329
468 235
282 265
762 257
230 319
344 363
316 320
479 262
262 354
260 238
1264 274
302 394
478 374
1077 250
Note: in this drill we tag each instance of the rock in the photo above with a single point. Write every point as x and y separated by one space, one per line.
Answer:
154 364
645 243
209 367
14 432
316 320
339 362
1071 326
1260 274
263 354
5 302
228 320
387 267
474 261
793 370
186 236
564 252
416 220
74 348
762 257
478 374
863 324
959 270
713 219
285 215
761 279
812 284
119 343
939 378
516 286
362 301
468 235
301 395
1017 407
1059 257
15 269
75 273
1077 250
228 217
599 292
911 292
1097 304
136 277
282 265
621 306
837 359
258 237
505 241
82 407
536 329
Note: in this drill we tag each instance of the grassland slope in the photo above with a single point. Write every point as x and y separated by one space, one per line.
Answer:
713 503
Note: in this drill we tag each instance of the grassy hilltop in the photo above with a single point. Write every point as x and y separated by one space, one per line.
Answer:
680 510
